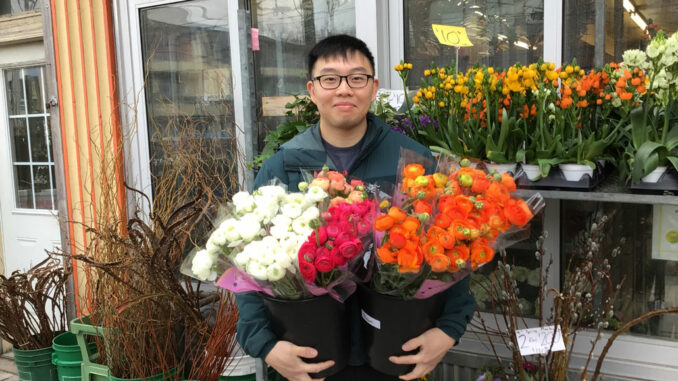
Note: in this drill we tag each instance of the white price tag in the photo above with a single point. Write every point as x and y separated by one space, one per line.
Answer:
395 97
538 340
370 320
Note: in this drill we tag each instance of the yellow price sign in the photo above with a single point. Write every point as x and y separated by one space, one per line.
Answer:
451 35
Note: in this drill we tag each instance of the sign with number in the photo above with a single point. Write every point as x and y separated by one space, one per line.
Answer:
665 232
395 98
540 340
451 35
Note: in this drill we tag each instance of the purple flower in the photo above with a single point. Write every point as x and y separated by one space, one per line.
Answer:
529 367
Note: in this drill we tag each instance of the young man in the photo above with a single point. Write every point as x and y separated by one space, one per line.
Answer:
347 138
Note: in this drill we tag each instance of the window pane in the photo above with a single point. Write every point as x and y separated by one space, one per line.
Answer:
22 185
15 92
502 33
19 137
287 31
34 90
649 283
43 187
38 138
18 6
186 51
621 31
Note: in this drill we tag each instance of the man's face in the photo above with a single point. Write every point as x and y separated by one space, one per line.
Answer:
343 107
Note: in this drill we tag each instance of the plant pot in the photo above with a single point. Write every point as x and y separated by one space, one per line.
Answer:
318 322
574 172
654 176
67 356
158 377
502 168
531 171
35 364
388 322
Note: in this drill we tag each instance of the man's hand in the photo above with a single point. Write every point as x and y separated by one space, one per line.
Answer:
285 358
432 344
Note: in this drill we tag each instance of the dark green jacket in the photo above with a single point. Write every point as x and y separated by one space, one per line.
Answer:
378 162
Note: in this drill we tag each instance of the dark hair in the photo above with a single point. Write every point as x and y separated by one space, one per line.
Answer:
338 45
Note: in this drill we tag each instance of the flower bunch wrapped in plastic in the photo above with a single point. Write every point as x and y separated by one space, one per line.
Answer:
333 253
255 248
447 225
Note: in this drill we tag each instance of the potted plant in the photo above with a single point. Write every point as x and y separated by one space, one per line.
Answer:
32 314
653 137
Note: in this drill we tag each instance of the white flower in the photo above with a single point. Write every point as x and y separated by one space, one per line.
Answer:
275 272
281 220
311 213
635 58
202 266
218 237
616 102
315 194
272 192
282 257
242 259
300 226
265 257
289 242
266 211
249 227
279 231
212 248
257 270
291 210
243 202
269 243
294 198
230 228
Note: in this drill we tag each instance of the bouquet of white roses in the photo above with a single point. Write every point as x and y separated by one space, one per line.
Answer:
255 247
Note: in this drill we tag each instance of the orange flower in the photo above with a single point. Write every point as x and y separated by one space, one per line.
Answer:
433 247
480 184
397 214
439 262
459 230
481 253
446 240
497 193
412 171
383 223
411 224
508 182
422 207
517 212
442 220
386 255
464 203
409 261
397 240
458 252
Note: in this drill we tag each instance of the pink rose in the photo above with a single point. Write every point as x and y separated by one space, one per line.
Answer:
332 230
363 227
337 258
343 237
350 249
308 271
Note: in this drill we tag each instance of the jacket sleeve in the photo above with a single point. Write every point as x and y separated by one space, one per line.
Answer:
458 309
254 332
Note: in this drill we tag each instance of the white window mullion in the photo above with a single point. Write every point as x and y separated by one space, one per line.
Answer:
396 20
553 40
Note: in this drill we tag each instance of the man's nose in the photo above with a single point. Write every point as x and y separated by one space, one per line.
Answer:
343 86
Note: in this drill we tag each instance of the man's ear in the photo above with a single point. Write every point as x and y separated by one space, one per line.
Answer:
311 92
376 88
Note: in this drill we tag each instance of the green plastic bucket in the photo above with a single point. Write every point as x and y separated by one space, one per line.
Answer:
157 377
68 370
35 365
66 348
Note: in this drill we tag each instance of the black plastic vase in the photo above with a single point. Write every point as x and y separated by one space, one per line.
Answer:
319 322
388 322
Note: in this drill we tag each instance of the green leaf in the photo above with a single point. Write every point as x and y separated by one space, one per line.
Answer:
639 129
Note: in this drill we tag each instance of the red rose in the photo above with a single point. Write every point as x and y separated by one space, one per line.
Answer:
306 252
350 249
324 262
343 237
307 270
337 258
319 236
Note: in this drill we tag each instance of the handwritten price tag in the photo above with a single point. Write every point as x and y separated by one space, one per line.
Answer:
538 340
395 98
451 35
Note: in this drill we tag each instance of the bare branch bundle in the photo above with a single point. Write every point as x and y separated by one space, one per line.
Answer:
32 304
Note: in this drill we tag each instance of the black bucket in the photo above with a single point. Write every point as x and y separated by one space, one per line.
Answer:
319 322
388 322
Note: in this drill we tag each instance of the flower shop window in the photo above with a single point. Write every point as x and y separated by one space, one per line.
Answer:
650 280
18 6
627 24
502 33
287 30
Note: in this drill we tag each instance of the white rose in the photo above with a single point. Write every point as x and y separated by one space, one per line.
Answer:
257 270
315 194
243 202
249 227
275 272
202 266
291 210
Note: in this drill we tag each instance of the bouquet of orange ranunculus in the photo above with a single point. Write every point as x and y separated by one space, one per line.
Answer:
444 225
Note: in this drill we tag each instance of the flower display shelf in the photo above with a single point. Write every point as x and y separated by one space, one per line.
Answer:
556 180
667 182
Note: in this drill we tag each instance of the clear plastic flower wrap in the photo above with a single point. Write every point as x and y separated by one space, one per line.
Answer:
435 229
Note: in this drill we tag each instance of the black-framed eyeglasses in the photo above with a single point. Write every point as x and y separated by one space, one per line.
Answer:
333 81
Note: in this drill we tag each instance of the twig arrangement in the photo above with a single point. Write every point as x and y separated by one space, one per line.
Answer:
32 304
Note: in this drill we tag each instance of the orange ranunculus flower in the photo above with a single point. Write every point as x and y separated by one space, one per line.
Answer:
442 220
459 229
411 224
397 240
508 182
409 261
480 184
498 193
434 232
456 213
397 214
422 207
386 255
445 202
464 203
458 252
439 179
446 240
413 170
439 262
383 222
399 229
454 186
517 212
433 247
481 253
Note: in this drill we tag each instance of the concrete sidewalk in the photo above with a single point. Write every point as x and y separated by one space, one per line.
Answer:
7 367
